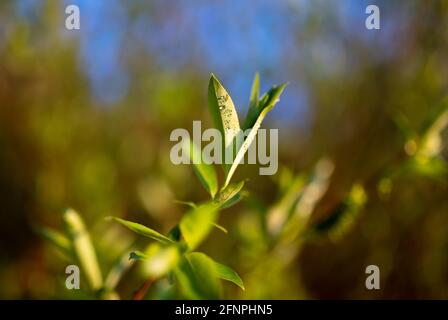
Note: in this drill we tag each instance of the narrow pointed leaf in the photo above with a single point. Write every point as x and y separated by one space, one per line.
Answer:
253 111
191 204
271 100
59 240
228 194
143 230
205 172
234 200
226 273
224 114
268 100
83 248
220 271
255 91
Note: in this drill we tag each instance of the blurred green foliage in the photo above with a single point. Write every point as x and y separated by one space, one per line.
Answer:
365 183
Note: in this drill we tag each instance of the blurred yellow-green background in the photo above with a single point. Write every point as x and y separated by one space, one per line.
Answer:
85 118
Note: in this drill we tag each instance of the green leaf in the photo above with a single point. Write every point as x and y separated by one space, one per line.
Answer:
205 172
158 260
226 273
206 274
197 223
229 195
223 114
268 101
203 264
83 248
198 276
187 281
191 285
191 204
59 240
255 92
143 230
253 110
237 198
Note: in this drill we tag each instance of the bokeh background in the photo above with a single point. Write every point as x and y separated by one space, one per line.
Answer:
85 118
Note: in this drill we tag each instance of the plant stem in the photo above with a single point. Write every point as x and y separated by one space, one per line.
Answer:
141 292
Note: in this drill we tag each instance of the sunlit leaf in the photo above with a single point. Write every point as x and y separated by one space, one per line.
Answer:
267 101
223 114
143 230
83 248
234 200
266 104
158 260
197 223
229 195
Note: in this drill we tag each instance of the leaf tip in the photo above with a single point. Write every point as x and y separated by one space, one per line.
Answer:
213 78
